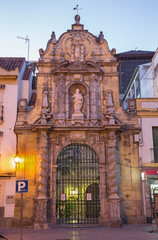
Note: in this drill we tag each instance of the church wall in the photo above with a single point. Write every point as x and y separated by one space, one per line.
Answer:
130 188
130 191
26 170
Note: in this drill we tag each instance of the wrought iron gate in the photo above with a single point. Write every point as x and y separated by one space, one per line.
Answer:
77 185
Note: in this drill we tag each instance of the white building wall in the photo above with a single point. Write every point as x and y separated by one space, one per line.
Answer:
25 89
155 72
8 140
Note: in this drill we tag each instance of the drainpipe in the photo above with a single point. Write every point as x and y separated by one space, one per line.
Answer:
139 82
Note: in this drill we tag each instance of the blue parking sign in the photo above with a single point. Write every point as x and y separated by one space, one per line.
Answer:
22 186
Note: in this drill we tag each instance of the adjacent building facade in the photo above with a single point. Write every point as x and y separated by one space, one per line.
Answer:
155 72
79 146
143 89
141 84
128 61
15 83
147 111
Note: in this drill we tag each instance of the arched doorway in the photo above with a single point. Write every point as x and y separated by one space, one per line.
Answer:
77 185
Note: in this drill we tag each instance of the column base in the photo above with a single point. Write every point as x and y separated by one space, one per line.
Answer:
117 223
38 226
42 209
114 206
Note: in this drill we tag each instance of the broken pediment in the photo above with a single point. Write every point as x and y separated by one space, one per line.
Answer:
76 45
75 67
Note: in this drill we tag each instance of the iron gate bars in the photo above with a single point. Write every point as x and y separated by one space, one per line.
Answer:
77 185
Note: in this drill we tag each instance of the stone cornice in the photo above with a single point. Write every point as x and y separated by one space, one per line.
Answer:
42 127
8 77
148 114
74 72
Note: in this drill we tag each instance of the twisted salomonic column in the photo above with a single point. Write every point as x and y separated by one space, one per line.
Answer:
114 200
54 167
43 165
42 202
104 208
112 170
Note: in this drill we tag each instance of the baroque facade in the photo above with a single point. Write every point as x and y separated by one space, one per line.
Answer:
81 157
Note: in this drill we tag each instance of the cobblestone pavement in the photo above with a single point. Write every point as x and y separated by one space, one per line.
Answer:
127 232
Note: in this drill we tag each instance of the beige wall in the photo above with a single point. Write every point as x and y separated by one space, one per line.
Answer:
7 198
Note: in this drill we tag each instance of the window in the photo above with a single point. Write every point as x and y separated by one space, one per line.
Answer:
1 112
155 143
0 193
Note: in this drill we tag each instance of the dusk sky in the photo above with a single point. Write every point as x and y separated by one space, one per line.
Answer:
126 24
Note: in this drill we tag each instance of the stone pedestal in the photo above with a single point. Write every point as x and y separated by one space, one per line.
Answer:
77 117
114 206
41 213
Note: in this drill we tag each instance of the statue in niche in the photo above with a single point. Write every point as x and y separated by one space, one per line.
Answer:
45 99
45 103
78 101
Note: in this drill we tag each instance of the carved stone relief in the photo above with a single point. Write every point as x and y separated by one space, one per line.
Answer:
131 105
77 52
81 44
22 106
62 139
115 212
40 208
79 136
93 138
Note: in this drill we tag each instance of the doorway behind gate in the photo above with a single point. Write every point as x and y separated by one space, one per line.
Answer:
77 185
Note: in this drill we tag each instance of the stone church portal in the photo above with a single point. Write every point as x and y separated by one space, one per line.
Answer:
77 185
78 144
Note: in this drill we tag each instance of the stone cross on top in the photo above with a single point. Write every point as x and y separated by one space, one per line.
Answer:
77 9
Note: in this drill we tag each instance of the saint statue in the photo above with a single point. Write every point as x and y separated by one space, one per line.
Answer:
45 99
78 101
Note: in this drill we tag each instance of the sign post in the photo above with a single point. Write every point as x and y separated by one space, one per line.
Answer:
21 187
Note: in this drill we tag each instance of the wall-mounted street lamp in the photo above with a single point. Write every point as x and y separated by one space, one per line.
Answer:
17 159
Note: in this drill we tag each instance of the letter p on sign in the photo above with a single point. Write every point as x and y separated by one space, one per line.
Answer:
22 186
